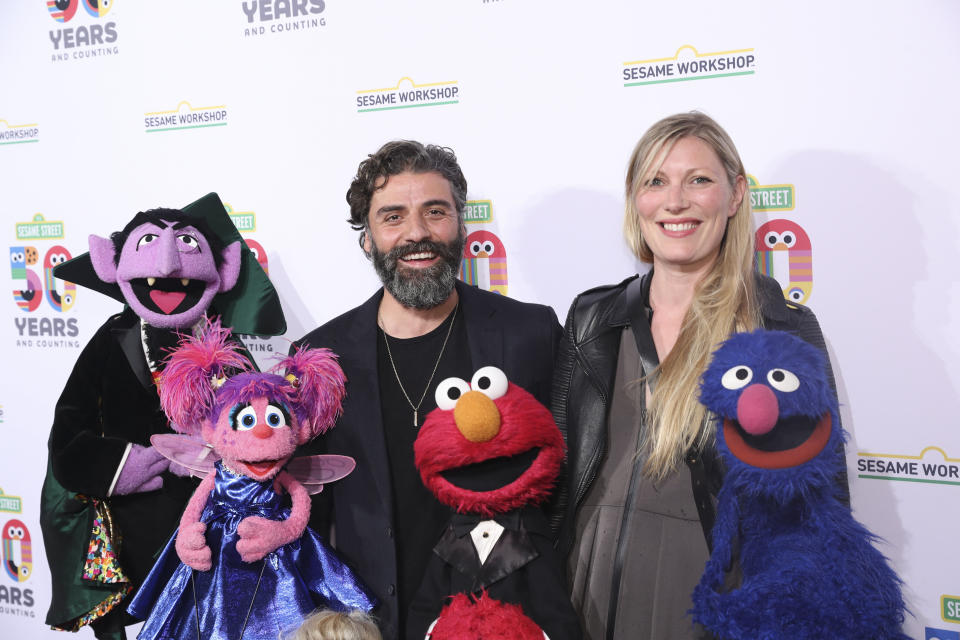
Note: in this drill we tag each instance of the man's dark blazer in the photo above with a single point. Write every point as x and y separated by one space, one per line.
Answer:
520 338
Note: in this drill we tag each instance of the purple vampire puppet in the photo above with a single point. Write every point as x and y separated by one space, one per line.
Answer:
110 500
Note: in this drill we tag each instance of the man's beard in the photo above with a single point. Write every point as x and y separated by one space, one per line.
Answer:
419 288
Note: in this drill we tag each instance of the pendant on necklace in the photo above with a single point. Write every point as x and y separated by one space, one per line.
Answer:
414 417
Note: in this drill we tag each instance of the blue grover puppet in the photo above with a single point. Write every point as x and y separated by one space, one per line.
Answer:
809 569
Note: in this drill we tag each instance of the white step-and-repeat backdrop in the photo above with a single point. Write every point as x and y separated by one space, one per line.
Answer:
844 112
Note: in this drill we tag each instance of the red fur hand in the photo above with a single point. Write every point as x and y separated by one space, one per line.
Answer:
259 536
192 546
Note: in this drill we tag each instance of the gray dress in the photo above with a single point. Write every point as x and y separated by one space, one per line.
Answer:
666 551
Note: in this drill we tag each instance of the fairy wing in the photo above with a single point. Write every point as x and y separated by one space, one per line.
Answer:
192 453
315 471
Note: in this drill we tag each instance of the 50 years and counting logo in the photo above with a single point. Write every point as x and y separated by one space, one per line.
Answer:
783 249
246 222
484 261
18 566
44 299
282 16
85 34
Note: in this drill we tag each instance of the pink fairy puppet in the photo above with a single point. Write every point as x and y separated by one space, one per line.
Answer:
242 562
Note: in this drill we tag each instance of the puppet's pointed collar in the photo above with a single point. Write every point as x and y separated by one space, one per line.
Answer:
252 306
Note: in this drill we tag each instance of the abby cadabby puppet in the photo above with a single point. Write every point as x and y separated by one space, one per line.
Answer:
243 564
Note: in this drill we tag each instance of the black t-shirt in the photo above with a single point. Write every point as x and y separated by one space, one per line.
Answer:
419 518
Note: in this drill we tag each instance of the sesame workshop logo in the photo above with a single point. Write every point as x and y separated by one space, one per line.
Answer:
783 252
30 290
935 468
689 64
96 38
18 133
408 94
18 565
282 16
185 116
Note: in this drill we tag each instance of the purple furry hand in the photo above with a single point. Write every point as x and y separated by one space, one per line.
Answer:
259 536
192 546
141 471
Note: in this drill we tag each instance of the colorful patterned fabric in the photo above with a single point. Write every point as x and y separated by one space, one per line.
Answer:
102 563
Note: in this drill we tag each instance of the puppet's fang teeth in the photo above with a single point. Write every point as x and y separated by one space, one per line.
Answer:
151 281
184 281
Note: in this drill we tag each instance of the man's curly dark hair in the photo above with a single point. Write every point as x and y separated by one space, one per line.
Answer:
398 157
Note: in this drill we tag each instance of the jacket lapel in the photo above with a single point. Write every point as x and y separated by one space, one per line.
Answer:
128 336
364 418
484 333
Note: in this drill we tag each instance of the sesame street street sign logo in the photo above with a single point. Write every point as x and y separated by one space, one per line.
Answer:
11 504
478 212
771 197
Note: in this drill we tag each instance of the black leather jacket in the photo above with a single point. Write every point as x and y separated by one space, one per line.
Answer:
583 383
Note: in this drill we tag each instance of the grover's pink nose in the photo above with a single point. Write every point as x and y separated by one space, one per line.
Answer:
757 409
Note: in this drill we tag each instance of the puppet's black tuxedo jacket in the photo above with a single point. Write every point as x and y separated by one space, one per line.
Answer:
519 338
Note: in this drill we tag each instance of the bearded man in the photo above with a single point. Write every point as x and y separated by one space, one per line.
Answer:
423 326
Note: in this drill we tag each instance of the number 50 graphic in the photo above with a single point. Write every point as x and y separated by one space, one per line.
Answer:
28 298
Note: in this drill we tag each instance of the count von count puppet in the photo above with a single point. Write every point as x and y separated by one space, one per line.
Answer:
109 501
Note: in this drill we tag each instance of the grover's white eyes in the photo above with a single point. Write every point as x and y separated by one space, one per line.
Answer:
737 377
783 380
449 391
490 381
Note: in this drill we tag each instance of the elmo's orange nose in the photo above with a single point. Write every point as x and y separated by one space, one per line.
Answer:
477 418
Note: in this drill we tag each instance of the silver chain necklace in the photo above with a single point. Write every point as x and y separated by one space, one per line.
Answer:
386 341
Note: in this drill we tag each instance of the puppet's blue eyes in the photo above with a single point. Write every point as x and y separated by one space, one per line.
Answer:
274 417
246 419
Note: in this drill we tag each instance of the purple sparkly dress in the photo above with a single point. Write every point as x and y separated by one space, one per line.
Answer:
259 599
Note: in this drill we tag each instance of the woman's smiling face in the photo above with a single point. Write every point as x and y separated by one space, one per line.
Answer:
684 206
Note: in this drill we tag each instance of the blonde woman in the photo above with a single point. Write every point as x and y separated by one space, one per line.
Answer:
642 470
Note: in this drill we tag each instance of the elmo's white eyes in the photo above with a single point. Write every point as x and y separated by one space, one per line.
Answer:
449 391
490 381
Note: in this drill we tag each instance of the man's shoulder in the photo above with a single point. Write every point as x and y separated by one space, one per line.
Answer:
328 333
479 298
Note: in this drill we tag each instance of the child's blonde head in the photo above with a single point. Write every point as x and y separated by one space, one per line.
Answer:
324 624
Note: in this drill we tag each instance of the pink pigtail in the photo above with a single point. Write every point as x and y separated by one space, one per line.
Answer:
188 384
320 385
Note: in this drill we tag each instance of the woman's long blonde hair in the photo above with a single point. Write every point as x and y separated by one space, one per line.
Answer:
724 300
